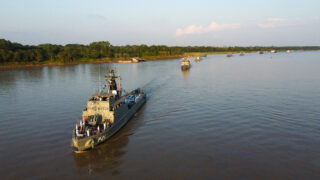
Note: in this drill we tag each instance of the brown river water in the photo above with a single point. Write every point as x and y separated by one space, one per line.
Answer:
244 117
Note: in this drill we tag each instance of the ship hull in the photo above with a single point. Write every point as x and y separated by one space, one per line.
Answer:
82 144
185 67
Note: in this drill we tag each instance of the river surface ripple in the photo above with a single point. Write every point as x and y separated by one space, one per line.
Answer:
244 117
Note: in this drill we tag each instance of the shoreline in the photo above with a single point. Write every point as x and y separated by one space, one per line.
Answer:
118 60
48 64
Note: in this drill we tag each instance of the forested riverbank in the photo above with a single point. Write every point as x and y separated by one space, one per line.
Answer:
15 54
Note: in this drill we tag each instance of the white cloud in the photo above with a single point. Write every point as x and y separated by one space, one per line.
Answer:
273 22
193 29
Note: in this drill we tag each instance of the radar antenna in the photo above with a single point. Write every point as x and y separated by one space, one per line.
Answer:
111 81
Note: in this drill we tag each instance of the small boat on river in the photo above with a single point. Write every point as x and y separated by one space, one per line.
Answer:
185 64
137 60
198 59
105 114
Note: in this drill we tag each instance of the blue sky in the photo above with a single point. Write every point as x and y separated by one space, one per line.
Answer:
169 22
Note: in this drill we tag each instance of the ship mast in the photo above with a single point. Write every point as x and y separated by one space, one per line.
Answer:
120 86
111 80
99 80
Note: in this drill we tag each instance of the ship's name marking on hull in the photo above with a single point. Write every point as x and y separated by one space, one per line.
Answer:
102 138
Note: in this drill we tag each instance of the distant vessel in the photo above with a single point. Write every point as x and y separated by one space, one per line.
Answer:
242 54
105 114
273 51
260 52
185 64
204 55
136 60
229 55
198 59
124 61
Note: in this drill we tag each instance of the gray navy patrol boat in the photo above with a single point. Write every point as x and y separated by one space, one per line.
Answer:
105 114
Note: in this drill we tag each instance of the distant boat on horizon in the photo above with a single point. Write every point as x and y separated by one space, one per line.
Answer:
136 60
198 59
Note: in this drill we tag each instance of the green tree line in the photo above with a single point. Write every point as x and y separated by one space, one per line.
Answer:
11 52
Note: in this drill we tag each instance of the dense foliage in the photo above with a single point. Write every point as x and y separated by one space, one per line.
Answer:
17 53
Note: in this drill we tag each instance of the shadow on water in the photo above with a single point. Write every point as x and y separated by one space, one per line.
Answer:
105 157
185 73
